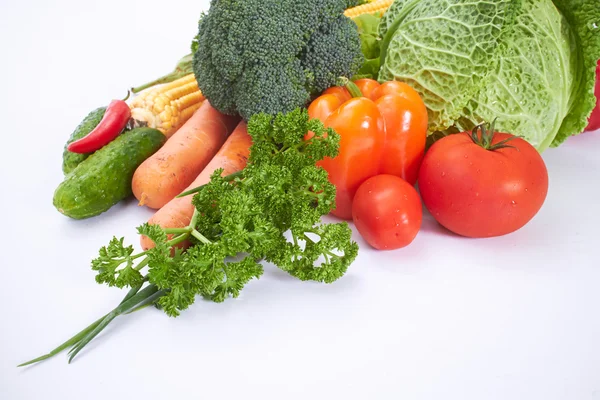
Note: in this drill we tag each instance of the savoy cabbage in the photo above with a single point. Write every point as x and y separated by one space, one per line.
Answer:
530 63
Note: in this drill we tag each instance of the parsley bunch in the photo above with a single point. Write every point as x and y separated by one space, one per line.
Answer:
269 211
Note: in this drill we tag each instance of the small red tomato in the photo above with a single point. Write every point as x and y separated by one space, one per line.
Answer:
483 184
387 212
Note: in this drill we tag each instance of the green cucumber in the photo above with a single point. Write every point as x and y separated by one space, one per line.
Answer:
70 159
104 179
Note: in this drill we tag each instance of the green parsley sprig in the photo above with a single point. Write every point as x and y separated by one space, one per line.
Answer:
269 211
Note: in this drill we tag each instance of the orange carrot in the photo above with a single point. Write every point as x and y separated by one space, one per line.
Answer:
232 157
172 168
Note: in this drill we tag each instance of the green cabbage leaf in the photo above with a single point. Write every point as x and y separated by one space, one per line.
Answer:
528 63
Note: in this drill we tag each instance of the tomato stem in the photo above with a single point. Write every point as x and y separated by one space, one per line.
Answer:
487 136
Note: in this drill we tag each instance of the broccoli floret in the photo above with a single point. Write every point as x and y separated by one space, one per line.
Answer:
272 56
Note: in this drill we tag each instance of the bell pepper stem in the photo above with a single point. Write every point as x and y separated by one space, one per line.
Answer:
351 86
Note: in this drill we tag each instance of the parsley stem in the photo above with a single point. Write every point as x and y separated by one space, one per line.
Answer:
138 255
200 237
178 239
74 340
79 336
170 231
309 193
145 296
142 264
227 178
194 219
90 335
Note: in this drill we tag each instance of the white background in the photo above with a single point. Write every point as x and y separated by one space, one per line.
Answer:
514 317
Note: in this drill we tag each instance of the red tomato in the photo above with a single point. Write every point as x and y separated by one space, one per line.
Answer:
387 212
477 192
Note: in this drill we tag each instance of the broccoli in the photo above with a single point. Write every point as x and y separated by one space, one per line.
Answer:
272 56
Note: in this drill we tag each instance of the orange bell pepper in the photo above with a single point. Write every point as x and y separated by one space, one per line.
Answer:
382 128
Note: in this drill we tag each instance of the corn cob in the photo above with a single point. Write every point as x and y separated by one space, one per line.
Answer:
375 6
169 106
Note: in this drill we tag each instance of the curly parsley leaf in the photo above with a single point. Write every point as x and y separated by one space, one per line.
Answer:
114 265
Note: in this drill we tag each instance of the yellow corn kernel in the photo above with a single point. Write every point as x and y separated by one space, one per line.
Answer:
372 7
169 106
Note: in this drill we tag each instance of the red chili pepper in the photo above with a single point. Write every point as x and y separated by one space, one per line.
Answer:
112 124
594 121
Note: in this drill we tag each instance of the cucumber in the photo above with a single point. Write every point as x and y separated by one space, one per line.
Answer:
71 160
104 179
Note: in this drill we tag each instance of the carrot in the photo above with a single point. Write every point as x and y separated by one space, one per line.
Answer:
232 157
172 168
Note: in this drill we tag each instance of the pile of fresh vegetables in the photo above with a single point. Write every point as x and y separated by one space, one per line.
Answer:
288 111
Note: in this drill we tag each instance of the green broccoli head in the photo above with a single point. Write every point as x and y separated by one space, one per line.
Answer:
272 56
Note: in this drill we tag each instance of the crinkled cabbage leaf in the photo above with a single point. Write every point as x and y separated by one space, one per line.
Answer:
528 63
